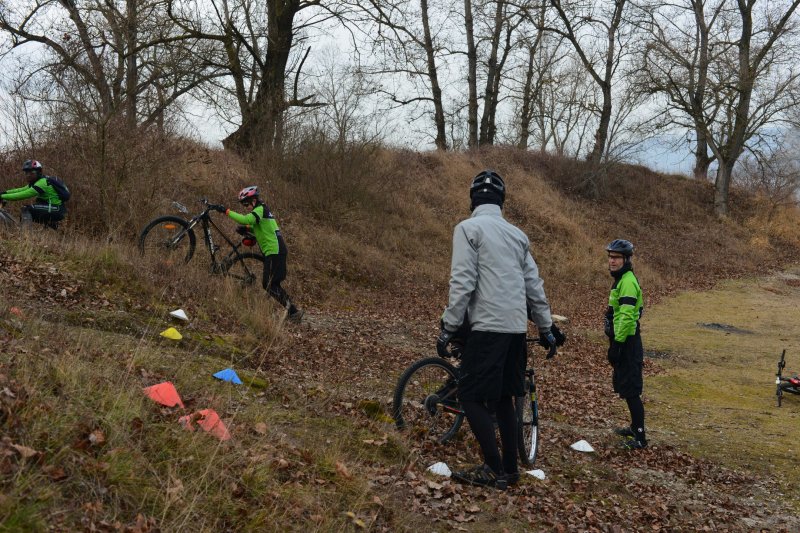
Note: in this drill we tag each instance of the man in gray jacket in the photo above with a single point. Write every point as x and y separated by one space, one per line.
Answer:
495 282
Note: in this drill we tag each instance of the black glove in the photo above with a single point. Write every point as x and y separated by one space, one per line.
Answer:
217 207
560 337
615 352
443 340
547 340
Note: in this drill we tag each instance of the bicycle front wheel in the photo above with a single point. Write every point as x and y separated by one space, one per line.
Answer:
425 402
167 239
528 423
246 268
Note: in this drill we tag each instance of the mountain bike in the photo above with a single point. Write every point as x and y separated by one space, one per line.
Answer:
782 384
426 404
7 220
171 240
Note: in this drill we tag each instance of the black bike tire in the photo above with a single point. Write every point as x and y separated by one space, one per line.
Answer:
527 407
242 258
169 218
399 399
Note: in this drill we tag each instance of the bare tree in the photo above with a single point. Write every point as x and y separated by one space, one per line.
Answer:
102 59
757 59
349 114
774 173
595 31
406 37
260 44
729 70
684 40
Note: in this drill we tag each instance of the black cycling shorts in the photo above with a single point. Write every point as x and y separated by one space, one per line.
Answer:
627 377
493 366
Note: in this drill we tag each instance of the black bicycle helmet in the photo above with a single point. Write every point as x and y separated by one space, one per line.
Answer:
32 165
488 181
620 246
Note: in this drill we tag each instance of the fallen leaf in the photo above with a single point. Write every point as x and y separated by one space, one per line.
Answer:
25 451
342 469
54 472
261 428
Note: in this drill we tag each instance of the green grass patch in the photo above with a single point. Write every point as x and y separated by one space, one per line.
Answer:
717 394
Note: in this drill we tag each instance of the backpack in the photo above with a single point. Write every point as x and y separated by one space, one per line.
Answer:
60 187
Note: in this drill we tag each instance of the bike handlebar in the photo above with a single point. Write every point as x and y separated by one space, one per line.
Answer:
456 348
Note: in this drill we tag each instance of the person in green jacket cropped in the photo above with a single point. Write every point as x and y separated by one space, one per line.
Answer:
625 351
264 226
48 209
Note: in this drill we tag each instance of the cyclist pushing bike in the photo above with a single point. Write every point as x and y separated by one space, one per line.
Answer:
494 280
48 209
263 224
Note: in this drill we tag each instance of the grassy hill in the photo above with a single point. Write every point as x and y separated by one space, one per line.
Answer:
312 447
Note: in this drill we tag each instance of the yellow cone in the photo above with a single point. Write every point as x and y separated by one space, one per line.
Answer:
172 333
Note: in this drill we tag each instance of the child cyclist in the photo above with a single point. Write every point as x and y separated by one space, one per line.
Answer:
263 224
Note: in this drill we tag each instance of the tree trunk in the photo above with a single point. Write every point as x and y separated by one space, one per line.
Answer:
722 186
492 73
601 135
131 68
701 158
527 104
261 123
472 77
436 90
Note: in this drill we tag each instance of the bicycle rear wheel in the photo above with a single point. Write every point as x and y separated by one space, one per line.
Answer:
528 422
425 402
246 268
167 239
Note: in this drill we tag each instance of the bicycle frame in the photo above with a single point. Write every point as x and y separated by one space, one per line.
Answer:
206 223
7 219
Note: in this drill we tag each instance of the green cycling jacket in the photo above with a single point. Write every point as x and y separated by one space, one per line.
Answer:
41 189
264 227
625 307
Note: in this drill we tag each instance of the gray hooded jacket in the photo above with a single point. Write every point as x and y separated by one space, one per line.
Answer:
493 275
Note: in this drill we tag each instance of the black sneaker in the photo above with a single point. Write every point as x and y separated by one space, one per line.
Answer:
635 444
512 479
481 476
296 317
625 432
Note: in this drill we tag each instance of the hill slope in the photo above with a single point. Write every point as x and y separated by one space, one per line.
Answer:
312 447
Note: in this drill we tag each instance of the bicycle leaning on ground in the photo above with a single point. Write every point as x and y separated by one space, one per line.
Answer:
426 403
784 384
171 240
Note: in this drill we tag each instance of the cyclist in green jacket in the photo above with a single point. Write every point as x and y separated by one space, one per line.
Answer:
48 209
263 224
625 351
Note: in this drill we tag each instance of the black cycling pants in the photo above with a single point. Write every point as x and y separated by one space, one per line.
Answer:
274 274
46 214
